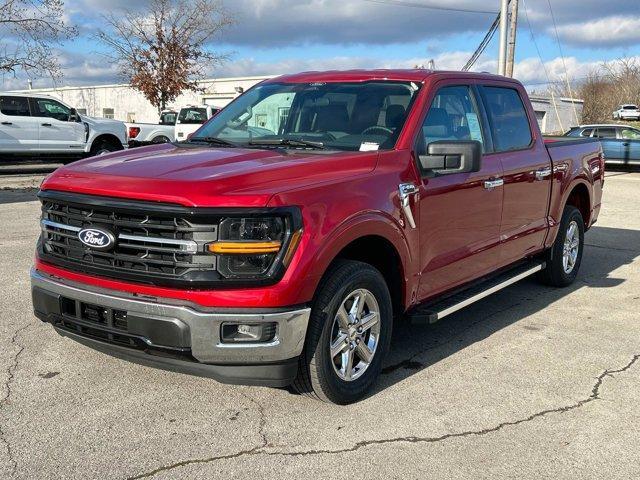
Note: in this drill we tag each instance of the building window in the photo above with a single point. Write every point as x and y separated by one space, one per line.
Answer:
283 114
108 113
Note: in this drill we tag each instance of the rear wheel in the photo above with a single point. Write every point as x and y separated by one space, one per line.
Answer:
160 139
564 257
348 335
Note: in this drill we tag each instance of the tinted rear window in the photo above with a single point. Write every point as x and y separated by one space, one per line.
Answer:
15 106
508 119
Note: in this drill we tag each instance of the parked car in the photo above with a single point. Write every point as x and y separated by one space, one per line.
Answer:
620 143
191 118
34 125
627 111
140 134
276 245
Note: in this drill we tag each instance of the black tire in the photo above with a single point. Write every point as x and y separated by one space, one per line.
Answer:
317 377
160 139
555 274
100 147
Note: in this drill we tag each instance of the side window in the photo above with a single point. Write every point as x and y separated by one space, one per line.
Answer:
606 132
630 134
508 119
452 116
587 132
15 106
50 108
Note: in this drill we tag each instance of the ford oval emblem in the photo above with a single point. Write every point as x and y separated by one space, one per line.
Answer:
97 238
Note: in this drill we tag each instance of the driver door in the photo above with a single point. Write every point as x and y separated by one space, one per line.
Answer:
459 213
56 132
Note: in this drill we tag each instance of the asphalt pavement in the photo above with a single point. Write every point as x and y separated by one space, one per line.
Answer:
532 382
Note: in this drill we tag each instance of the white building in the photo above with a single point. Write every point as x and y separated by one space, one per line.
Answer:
120 101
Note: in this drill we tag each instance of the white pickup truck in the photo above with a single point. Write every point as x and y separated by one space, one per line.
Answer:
41 126
191 119
148 133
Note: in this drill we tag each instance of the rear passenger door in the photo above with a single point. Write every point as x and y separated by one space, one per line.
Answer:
459 213
611 146
526 172
18 130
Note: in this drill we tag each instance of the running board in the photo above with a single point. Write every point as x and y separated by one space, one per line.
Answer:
432 312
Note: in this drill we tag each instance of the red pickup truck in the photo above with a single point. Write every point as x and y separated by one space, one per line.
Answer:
276 246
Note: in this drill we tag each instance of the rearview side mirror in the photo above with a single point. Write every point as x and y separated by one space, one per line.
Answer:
73 115
446 156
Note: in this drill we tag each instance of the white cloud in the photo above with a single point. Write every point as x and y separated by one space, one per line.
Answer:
614 30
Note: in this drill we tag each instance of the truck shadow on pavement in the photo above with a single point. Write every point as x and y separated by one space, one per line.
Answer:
416 347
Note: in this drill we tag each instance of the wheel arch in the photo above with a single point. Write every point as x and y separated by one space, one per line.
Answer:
109 137
374 239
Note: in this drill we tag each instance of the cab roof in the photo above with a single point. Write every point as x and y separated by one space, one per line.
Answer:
408 75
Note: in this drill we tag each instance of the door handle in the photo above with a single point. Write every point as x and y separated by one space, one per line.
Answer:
7 123
543 173
46 124
405 192
491 184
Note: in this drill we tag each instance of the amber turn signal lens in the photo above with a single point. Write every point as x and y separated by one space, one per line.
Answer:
244 248
295 239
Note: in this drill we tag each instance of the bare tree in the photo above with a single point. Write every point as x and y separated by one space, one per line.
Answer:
29 30
608 86
162 53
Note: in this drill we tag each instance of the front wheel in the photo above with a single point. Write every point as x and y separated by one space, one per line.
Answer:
564 257
102 147
348 335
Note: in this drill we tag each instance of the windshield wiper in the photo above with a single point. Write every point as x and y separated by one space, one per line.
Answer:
287 142
213 141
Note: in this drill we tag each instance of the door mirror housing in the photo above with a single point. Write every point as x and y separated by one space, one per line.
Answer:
73 115
446 156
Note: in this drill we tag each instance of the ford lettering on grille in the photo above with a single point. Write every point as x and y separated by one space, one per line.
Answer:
97 238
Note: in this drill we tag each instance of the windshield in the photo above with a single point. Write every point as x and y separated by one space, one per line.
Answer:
338 116
193 115
629 107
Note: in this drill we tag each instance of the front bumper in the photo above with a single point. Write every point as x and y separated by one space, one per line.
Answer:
175 336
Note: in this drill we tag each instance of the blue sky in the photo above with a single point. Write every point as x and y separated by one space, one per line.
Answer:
281 36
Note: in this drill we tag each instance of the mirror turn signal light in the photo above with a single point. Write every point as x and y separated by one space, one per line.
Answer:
244 248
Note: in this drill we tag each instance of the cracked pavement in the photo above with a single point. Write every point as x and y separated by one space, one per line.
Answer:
532 382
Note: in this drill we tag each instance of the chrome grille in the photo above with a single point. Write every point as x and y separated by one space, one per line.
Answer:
151 247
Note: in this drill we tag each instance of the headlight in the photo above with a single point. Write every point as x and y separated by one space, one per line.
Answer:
255 247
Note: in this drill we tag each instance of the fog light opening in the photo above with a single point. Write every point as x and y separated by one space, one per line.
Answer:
248 332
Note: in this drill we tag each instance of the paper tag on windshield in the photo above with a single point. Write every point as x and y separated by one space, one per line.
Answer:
369 147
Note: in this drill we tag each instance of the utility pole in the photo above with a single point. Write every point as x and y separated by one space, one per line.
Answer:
513 29
504 17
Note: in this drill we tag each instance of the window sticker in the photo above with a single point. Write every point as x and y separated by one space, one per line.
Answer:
474 127
369 147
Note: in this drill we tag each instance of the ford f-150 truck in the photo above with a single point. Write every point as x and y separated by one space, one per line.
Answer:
37 125
276 246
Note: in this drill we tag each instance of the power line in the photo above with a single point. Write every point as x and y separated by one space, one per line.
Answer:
564 64
483 45
403 3
544 67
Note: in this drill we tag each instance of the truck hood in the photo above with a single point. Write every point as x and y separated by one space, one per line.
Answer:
205 176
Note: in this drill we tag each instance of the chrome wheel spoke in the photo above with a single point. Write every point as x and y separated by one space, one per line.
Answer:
365 354
571 247
338 346
369 321
343 318
347 364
